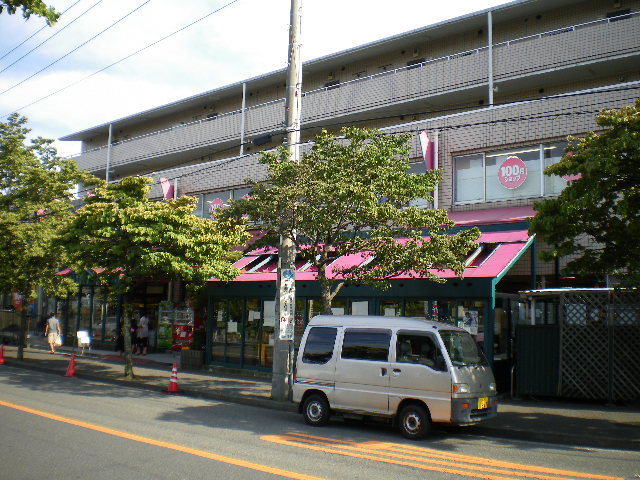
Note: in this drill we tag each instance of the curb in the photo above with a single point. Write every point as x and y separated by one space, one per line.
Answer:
574 441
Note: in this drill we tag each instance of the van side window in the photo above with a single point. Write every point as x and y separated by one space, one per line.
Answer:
366 344
418 348
319 345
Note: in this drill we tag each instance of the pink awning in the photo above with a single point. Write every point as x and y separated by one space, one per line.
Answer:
498 253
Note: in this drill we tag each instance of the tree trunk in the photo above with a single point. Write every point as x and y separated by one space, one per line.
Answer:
128 358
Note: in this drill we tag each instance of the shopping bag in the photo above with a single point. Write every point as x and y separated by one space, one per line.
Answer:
58 340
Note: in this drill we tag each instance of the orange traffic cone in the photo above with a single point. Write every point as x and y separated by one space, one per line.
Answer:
2 354
173 381
71 369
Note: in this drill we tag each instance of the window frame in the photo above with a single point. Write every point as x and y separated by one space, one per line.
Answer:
542 165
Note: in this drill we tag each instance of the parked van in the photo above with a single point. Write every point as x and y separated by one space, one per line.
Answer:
412 371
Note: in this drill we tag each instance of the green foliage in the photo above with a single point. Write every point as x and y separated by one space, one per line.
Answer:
350 196
597 217
30 7
36 194
121 237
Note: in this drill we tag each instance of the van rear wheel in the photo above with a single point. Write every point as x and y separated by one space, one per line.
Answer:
414 422
316 410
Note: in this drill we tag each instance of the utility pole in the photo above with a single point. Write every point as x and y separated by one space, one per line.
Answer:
282 378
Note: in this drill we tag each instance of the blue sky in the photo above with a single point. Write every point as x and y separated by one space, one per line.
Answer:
244 39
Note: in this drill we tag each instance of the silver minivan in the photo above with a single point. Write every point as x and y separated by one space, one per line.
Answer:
410 370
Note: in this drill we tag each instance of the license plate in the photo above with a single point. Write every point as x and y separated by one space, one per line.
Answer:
483 402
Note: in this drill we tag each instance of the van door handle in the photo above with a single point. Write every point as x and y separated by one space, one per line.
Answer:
396 371
383 371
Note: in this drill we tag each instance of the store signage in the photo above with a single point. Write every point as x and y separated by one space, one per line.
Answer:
214 206
512 173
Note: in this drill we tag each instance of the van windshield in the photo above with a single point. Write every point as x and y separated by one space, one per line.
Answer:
461 348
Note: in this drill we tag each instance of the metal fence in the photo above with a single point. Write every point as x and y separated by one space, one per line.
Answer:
600 345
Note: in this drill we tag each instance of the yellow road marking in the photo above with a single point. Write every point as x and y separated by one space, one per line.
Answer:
158 443
429 459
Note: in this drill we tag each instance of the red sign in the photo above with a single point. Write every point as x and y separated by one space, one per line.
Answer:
214 206
512 173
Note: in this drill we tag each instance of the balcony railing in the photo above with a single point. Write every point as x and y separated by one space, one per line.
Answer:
540 52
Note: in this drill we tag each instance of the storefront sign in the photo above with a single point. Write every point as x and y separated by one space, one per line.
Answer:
512 173
214 206
287 305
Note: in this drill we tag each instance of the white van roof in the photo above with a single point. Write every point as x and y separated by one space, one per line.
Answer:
372 321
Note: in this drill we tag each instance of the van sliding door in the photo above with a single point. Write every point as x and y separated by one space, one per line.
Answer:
362 371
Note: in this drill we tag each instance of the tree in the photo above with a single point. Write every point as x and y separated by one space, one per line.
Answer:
596 218
30 7
36 194
351 196
119 237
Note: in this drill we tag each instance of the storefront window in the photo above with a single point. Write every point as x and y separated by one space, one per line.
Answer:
85 309
503 175
98 316
339 306
513 174
416 308
553 184
315 308
252 347
391 308
359 307
219 333
234 332
469 178
268 333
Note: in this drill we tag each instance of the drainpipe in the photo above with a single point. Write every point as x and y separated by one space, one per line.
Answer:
490 56
436 152
109 152
242 116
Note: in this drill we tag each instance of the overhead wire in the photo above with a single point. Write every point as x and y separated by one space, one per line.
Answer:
51 36
35 33
76 48
123 58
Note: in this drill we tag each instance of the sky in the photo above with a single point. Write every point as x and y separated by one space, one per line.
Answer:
62 80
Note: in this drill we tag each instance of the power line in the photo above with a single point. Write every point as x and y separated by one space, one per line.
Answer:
76 48
122 59
50 37
35 33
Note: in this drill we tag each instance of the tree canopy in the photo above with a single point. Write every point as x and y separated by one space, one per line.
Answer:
119 237
36 195
30 7
596 218
351 195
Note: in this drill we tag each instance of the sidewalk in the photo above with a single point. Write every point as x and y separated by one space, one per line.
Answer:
573 424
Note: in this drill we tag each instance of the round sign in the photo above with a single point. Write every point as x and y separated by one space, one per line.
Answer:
512 173
214 206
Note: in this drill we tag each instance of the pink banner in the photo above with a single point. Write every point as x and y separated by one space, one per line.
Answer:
427 150
167 188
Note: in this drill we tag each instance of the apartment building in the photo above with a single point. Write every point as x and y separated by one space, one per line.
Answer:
497 91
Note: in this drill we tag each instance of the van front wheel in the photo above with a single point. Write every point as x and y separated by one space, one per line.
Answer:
316 410
414 422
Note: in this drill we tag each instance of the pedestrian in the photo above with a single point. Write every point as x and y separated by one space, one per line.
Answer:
134 334
120 342
52 331
143 334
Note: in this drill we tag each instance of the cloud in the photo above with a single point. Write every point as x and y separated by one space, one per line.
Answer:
246 39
